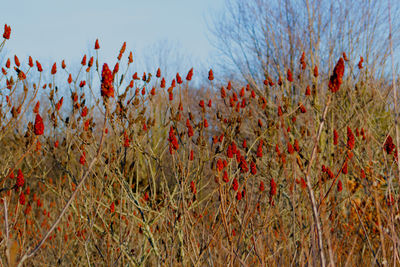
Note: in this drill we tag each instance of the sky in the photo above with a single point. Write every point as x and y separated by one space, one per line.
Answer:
52 30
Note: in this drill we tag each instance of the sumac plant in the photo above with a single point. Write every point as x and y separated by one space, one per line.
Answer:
103 164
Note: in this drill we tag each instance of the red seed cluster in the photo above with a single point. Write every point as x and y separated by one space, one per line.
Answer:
389 146
350 139
54 69
107 79
7 32
20 179
328 171
210 75
337 77
173 141
38 126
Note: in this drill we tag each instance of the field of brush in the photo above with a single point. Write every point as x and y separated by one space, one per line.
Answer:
103 168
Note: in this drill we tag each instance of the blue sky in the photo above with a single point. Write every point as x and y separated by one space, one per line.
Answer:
51 30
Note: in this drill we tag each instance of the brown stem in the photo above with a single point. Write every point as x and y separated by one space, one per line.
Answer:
310 189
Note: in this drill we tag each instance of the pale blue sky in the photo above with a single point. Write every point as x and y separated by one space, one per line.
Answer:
51 30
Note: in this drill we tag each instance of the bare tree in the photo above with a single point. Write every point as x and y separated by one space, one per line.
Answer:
260 38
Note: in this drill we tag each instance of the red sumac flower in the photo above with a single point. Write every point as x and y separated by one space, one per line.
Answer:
54 69
146 196
389 146
229 86
262 187
339 186
205 123
350 139
290 148
96 44
90 62
308 90
253 168
272 191
38 126
289 75
39 66
7 32
16 60
302 108
235 184
316 71
345 57
337 77
362 174
244 144
107 79
22 198
223 94
59 103
189 75
130 57
360 66
280 113
116 69
36 108
335 137
260 150
20 180
344 169
11 175
84 111
30 61
243 165
83 62
112 207
225 177
193 188
303 61
296 145
82 159
210 75
122 51
178 78
201 103
241 94
302 182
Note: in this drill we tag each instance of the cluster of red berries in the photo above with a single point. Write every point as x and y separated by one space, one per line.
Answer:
107 79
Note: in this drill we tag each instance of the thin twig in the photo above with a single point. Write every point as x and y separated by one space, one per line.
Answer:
6 228
310 189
